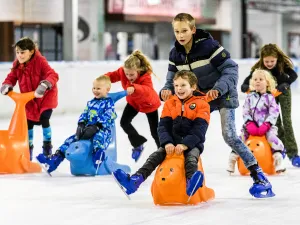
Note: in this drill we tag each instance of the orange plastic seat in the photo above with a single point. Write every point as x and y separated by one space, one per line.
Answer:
169 185
263 154
14 146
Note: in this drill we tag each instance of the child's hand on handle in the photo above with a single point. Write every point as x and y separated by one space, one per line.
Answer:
180 148
170 148
165 94
5 89
212 94
130 90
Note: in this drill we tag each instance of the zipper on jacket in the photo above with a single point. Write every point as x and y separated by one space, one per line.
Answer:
187 61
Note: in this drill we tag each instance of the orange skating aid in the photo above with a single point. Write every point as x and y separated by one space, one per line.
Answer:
169 185
14 146
263 154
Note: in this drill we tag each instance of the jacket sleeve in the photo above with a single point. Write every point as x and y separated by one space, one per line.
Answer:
115 76
83 118
200 124
247 116
145 87
107 118
171 73
48 73
292 75
273 110
11 78
247 79
165 127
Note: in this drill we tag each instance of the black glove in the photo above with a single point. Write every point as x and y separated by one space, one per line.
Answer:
90 131
244 88
6 88
79 131
283 87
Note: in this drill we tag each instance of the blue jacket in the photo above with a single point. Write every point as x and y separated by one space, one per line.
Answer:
212 65
99 111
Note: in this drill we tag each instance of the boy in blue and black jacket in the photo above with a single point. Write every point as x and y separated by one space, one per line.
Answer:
217 75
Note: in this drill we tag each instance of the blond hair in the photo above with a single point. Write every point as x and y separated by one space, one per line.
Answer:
273 50
187 75
139 62
271 83
185 17
105 79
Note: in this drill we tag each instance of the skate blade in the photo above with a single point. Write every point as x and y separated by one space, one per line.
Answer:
121 187
44 167
264 194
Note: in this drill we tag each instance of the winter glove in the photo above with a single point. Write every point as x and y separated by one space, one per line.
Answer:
6 88
251 128
90 131
244 88
98 157
264 128
41 89
79 131
283 87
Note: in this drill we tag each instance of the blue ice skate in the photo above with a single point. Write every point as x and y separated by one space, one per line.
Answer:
49 164
295 161
193 184
136 152
130 183
261 188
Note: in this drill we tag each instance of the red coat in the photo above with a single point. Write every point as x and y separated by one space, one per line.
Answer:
29 77
144 98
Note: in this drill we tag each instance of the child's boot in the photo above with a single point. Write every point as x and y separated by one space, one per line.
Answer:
233 157
130 183
295 161
261 187
47 148
278 162
51 162
136 152
193 184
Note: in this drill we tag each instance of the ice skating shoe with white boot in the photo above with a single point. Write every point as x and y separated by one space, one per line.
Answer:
278 162
261 187
233 157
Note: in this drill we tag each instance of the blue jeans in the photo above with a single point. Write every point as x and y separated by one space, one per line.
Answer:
231 138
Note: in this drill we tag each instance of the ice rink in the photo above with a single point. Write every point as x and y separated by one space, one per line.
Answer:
35 199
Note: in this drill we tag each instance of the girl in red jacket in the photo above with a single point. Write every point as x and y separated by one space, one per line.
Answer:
135 77
33 73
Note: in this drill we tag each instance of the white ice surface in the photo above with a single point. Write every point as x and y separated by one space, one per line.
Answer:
36 199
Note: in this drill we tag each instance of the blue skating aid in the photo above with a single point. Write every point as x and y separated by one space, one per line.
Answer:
80 153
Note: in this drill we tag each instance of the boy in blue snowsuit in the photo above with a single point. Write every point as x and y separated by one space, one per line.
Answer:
217 75
94 124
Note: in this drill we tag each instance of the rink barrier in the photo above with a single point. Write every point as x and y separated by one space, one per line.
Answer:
76 78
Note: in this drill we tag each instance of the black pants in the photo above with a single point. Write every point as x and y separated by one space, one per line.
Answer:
134 137
44 120
191 157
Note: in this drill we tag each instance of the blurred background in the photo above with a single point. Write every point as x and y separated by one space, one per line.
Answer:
92 30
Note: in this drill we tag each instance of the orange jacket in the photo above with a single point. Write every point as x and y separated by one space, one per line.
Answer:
144 98
184 121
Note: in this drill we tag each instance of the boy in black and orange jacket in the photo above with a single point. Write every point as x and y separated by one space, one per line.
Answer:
182 128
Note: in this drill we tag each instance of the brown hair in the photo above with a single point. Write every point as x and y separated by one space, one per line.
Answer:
139 62
283 60
185 17
25 43
187 75
271 83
